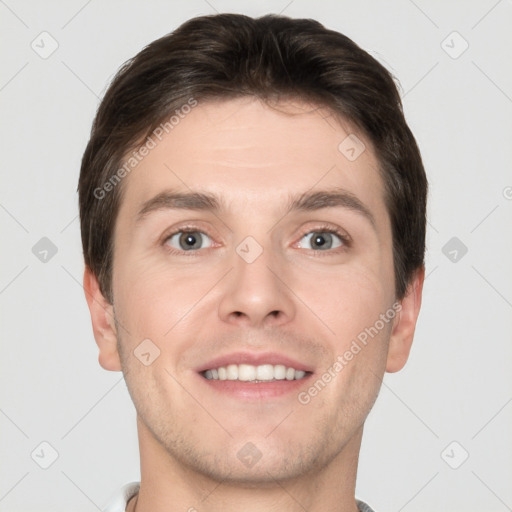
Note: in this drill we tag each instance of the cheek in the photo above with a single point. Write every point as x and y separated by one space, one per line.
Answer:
160 302
362 320
354 309
349 301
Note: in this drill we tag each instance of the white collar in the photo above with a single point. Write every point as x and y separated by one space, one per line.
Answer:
119 500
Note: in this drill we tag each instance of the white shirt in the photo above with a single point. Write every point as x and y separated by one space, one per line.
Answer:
122 497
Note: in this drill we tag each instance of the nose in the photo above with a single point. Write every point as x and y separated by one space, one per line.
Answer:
255 293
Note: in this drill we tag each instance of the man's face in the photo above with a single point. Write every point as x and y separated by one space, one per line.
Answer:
255 283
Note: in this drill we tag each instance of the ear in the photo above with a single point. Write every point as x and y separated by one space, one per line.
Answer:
103 324
402 333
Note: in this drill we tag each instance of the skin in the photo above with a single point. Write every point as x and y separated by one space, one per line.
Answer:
295 299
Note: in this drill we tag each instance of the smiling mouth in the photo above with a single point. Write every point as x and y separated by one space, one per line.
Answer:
255 374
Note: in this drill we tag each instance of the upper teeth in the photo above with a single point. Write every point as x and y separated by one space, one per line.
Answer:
248 372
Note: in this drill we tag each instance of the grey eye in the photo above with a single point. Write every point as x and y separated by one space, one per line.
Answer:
321 240
188 240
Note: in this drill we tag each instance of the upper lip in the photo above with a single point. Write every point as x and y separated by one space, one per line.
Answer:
255 359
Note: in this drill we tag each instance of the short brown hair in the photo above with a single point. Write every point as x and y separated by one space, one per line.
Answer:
227 56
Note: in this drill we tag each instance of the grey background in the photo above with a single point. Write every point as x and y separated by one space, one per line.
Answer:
457 384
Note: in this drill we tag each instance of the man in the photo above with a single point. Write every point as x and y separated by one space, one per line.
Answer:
252 209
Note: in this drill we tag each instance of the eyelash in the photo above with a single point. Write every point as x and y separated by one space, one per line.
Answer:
344 237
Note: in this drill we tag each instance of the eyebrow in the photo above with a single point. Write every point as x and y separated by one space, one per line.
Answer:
308 201
170 200
311 201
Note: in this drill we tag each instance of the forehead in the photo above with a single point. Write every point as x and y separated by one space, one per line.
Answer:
247 150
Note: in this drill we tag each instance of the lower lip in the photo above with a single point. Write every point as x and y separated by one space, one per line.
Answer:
256 390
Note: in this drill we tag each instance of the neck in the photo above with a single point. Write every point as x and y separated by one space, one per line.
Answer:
166 485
